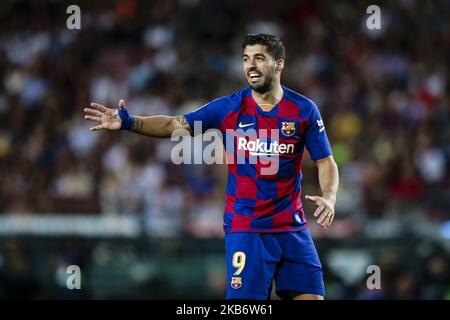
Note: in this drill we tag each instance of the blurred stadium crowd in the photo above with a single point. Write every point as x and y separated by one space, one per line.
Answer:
384 96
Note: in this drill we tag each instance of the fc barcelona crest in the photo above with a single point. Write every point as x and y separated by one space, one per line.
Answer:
288 128
236 282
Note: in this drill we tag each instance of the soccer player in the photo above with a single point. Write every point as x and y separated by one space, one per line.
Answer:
266 233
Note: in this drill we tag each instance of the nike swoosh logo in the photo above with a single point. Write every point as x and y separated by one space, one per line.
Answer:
241 125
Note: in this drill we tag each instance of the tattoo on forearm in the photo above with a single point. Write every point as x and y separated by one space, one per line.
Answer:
184 124
182 120
137 125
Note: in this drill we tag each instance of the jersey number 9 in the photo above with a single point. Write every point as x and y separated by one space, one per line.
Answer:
238 262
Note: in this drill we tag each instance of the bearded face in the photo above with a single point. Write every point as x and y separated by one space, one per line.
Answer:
259 68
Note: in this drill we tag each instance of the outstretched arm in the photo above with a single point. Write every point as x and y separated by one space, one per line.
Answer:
158 126
119 119
329 181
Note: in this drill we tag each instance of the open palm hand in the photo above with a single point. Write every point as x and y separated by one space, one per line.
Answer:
107 118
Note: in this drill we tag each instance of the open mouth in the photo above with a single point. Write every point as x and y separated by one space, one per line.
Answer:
254 76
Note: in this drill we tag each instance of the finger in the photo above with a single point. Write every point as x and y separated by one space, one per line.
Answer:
330 221
96 128
323 216
318 210
93 112
326 220
122 104
99 107
311 198
97 119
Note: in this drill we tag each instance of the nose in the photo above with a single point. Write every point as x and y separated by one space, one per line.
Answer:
251 63
250 66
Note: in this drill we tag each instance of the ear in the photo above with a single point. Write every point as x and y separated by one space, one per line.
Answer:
279 65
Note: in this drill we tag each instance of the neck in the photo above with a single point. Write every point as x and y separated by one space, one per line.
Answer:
273 96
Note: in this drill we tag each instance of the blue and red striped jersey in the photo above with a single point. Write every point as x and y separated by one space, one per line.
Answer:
264 155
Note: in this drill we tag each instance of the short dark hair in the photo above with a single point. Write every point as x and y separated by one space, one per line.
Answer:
273 44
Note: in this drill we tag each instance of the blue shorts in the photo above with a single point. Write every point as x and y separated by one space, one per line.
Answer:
255 259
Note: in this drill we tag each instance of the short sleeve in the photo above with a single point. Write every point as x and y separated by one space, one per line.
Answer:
316 140
208 115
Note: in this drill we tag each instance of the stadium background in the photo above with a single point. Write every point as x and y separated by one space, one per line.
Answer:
141 227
